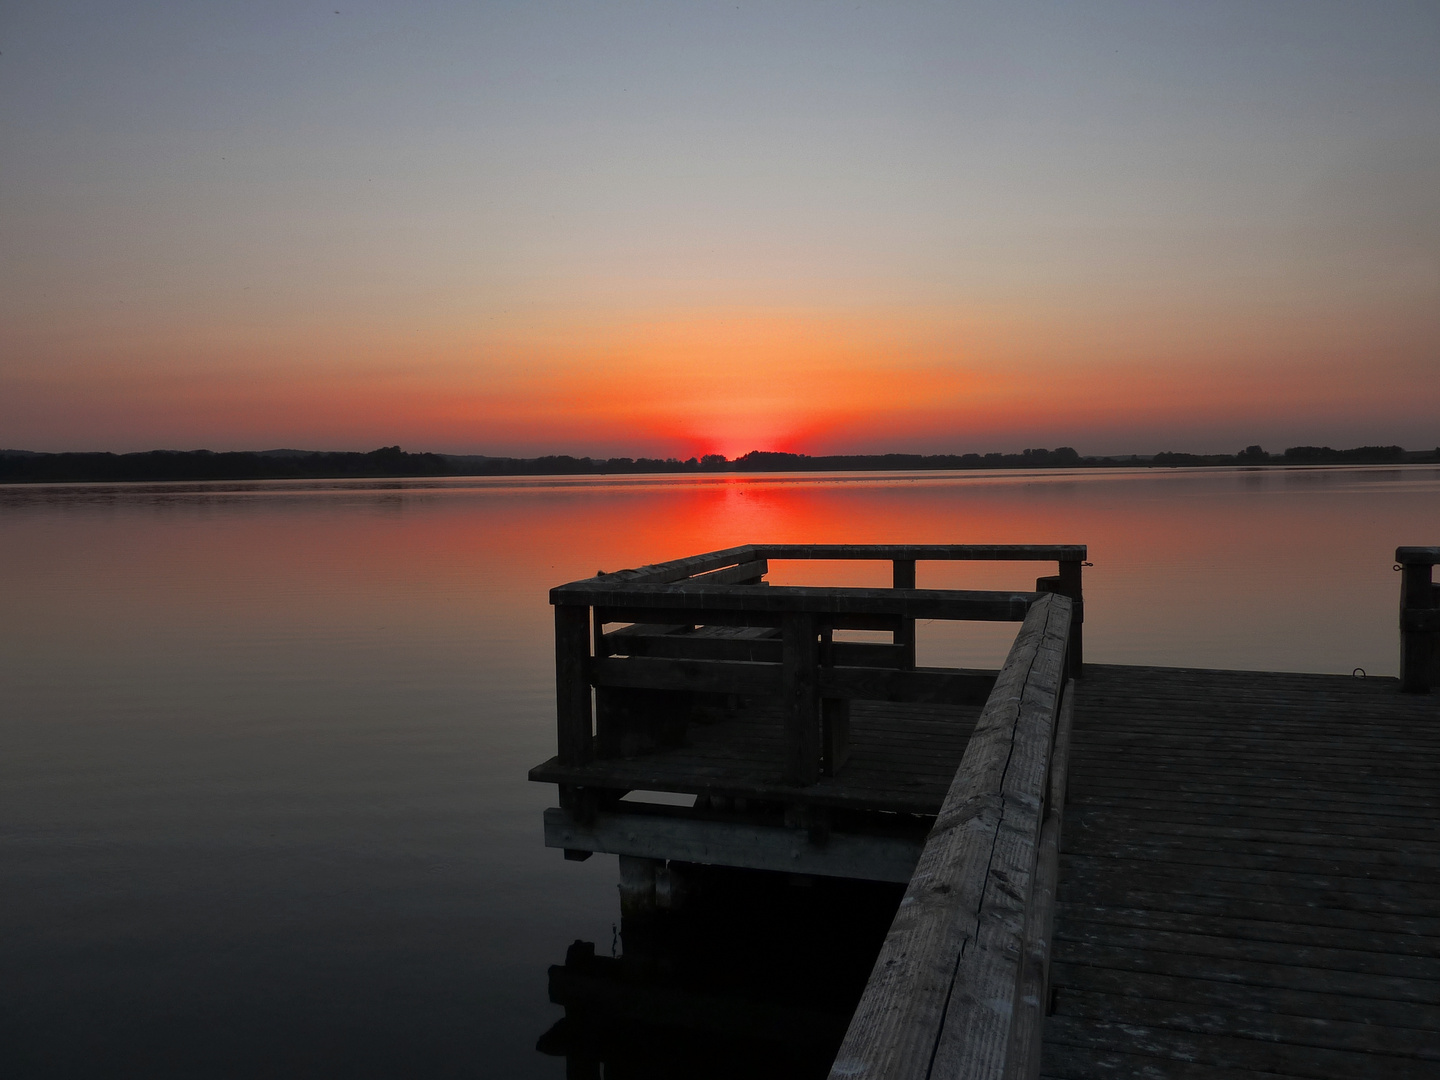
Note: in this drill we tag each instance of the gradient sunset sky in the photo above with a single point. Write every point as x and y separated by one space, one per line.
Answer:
673 229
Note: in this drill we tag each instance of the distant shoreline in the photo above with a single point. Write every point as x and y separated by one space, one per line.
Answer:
31 467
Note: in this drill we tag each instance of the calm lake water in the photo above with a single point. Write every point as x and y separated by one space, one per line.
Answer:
263 746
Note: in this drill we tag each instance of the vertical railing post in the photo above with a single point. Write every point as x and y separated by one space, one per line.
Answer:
834 712
1070 586
904 578
1418 639
801 656
572 683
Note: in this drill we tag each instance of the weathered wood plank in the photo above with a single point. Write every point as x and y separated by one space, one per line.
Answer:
1422 878
677 569
929 685
1250 949
1353 808
1277 926
896 1026
714 601
1248 756
702 676
1064 1062
925 552
745 573
706 562
1228 1052
1327 826
1311 1002
966 900
1244 972
976 1036
743 643
1033 996
1359 893
1363 840
1251 879
1273 909
688 838
1191 836
1318 791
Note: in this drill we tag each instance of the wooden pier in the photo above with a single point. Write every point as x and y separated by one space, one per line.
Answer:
1111 871
1250 881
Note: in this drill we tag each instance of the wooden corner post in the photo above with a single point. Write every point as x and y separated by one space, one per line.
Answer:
1070 586
1067 583
801 657
904 578
1419 619
572 683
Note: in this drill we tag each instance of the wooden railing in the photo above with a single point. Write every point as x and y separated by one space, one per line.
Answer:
709 624
961 983
1419 619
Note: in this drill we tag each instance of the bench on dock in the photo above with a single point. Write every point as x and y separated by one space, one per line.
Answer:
805 752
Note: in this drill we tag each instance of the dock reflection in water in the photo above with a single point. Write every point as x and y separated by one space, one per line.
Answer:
746 974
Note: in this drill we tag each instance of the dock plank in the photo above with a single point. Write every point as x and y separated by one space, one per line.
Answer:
1250 883
903 758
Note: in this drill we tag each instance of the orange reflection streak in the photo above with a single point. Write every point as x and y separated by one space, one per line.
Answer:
1191 568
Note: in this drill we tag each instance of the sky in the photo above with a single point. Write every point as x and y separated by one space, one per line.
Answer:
676 229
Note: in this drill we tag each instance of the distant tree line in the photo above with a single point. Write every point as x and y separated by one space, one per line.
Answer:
18 466
1302 455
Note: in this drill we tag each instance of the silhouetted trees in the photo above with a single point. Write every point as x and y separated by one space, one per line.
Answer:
18 466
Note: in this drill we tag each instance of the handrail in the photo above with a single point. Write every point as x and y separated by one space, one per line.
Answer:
925 552
1419 619
746 564
704 599
789 652
678 569
955 991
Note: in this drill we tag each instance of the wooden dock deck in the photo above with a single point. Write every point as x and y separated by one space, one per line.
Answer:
1250 879
1141 872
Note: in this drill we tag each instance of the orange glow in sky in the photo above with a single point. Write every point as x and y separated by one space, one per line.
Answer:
947 229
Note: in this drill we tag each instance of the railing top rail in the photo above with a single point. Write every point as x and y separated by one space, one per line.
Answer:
1417 556
820 600
937 552
679 569
941 997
